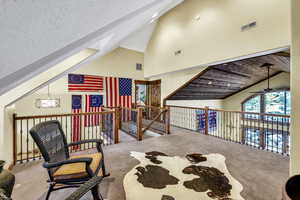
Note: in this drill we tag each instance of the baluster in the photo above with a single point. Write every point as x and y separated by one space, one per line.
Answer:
27 141
33 143
21 140
277 135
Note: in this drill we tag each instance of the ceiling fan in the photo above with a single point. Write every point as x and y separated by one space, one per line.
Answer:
268 89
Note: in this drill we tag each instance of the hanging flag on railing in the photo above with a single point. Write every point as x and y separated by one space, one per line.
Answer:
212 120
76 119
85 83
93 103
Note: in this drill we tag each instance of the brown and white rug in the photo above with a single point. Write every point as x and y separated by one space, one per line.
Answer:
196 177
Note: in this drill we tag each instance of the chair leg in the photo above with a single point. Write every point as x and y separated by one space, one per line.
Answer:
105 174
96 194
49 191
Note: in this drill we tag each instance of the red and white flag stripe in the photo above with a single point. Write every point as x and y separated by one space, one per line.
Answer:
93 119
113 98
76 128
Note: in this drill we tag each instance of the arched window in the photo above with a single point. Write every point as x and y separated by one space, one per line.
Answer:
259 134
277 102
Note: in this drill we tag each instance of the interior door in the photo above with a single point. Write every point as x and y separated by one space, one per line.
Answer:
155 98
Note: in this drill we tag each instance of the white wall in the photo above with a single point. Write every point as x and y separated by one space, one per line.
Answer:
217 35
119 63
295 90
214 104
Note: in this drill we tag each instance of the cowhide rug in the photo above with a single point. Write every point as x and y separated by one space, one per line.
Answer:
196 177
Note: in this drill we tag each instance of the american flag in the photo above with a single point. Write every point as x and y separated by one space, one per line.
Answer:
119 93
84 83
76 119
93 103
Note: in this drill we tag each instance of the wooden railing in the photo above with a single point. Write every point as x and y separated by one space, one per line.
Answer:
76 126
156 119
136 121
269 132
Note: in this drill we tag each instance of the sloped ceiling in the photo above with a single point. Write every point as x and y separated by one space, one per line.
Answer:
36 35
139 40
223 80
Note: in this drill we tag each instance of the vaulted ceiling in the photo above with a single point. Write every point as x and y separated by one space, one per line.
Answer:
36 35
223 80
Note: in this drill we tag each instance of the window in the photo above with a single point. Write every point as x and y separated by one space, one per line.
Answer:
267 132
278 102
252 105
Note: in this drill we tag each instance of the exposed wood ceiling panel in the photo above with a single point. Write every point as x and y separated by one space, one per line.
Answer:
224 80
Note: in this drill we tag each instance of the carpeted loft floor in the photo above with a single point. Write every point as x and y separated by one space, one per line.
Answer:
261 173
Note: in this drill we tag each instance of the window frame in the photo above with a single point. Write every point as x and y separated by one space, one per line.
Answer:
263 102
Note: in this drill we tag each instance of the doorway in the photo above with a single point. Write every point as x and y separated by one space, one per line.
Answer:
148 93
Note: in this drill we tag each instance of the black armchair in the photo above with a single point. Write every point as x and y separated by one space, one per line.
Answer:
67 171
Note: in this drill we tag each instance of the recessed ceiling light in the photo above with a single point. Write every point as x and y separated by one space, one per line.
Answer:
228 85
210 82
197 18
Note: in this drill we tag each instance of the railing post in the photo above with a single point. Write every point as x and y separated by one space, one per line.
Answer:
140 124
167 120
116 126
206 120
119 109
14 139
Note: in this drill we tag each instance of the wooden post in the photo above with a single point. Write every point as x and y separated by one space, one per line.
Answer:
167 120
139 124
119 109
206 120
116 126
14 139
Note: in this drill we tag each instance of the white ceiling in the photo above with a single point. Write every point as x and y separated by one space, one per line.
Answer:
36 35
139 40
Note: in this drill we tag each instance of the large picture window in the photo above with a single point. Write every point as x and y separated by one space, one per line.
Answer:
278 102
267 131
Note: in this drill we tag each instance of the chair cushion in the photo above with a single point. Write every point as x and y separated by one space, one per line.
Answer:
77 170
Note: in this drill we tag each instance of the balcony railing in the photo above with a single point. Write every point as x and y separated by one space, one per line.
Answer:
269 132
76 126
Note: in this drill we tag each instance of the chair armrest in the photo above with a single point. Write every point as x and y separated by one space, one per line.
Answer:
65 162
85 188
98 141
